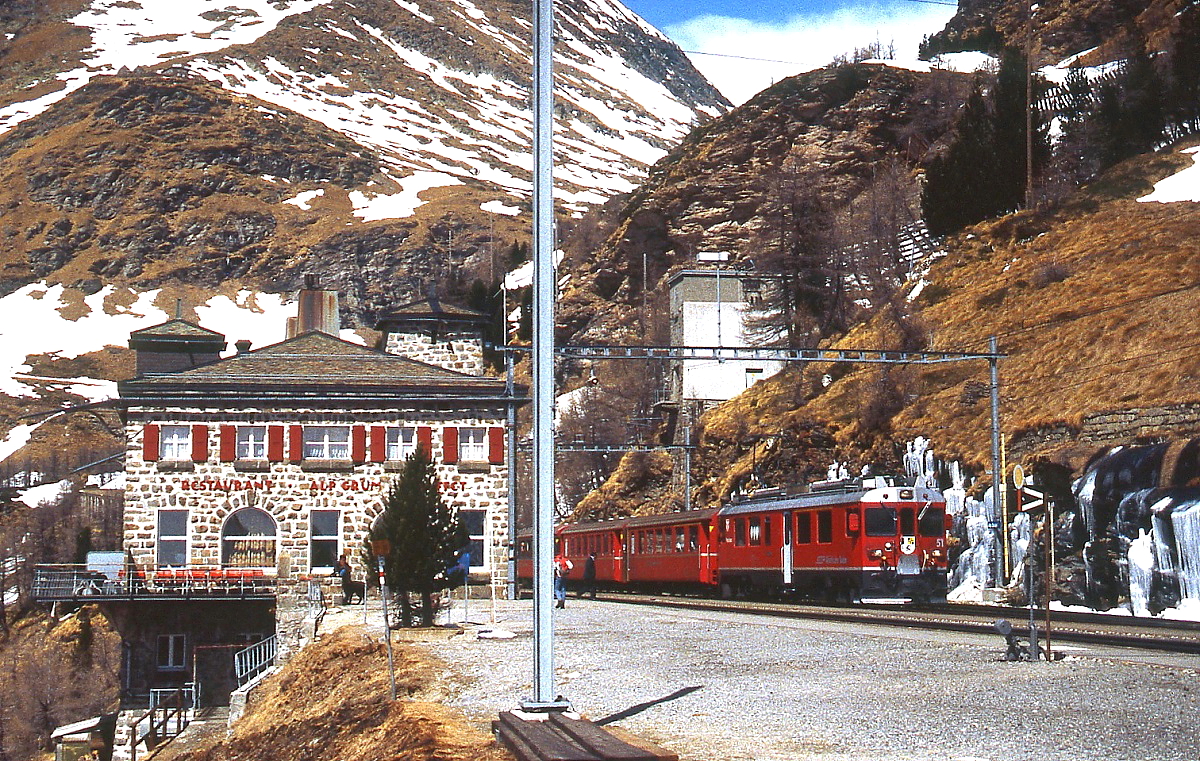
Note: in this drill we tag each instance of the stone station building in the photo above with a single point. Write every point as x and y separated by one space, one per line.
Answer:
248 476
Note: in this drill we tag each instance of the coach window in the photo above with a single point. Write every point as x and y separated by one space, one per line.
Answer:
252 442
739 532
324 536
694 538
755 530
880 521
248 539
931 521
824 526
766 531
803 528
175 442
172 537
908 523
680 542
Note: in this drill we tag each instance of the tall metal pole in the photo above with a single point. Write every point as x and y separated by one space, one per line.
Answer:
544 697
997 475
1029 106
510 460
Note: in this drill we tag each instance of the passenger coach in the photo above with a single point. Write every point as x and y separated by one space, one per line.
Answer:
869 540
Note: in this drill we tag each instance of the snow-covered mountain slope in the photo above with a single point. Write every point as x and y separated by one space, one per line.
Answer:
439 90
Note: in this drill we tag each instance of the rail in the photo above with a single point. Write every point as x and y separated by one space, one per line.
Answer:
79 583
159 724
252 661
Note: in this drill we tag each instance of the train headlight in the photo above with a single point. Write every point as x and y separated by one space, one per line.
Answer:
937 554
877 554
889 546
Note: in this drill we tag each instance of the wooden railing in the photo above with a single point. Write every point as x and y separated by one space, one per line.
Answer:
161 723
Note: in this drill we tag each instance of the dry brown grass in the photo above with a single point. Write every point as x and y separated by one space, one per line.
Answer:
331 703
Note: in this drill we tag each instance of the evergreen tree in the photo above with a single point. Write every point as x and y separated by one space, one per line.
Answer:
425 536
1184 70
1142 109
957 190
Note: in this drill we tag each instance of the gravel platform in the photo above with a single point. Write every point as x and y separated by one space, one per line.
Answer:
717 686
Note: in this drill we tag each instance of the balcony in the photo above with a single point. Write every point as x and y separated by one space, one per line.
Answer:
81 583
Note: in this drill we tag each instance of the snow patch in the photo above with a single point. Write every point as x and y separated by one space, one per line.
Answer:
371 208
499 207
46 494
1184 185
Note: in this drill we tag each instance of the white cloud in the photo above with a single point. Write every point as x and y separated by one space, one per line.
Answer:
800 43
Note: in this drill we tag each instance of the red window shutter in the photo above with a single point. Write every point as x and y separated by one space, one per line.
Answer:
425 440
295 443
358 443
275 443
378 443
228 443
496 445
199 443
450 445
150 443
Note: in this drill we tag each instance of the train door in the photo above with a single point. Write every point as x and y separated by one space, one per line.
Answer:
785 552
908 564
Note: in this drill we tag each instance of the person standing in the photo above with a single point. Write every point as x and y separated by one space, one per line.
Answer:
562 567
589 577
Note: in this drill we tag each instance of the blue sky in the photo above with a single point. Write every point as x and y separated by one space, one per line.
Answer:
792 37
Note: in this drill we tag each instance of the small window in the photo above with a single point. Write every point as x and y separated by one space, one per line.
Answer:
172 537
680 542
803 528
908 522
252 442
472 444
401 442
755 530
475 522
824 526
172 652
324 537
739 532
931 521
327 442
175 443
767 531
694 538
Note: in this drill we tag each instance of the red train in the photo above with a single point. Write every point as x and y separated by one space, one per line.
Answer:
868 540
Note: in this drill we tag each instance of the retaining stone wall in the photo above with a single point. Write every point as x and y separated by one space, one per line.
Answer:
460 350
1112 427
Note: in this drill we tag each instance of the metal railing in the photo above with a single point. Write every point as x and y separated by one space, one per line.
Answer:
254 660
77 582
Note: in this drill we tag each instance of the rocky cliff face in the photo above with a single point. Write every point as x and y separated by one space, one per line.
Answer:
833 127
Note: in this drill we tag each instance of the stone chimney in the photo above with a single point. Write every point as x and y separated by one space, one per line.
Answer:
317 310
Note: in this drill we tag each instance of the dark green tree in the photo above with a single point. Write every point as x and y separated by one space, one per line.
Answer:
958 181
1184 86
424 533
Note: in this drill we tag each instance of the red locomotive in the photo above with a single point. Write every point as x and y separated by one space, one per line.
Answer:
868 540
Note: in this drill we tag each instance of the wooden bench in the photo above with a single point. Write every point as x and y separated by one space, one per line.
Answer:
561 738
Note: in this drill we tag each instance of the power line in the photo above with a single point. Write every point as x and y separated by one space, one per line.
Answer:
1139 368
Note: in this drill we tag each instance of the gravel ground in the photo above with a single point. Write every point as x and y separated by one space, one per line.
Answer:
728 686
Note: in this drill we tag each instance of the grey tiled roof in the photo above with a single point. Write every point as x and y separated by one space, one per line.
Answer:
177 328
315 364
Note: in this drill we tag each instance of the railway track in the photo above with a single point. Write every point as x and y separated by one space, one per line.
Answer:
1066 626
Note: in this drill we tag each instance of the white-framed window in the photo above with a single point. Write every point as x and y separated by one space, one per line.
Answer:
472 445
252 442
175 443
325 529
172 652
476 523
327 442
401 442
172 537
